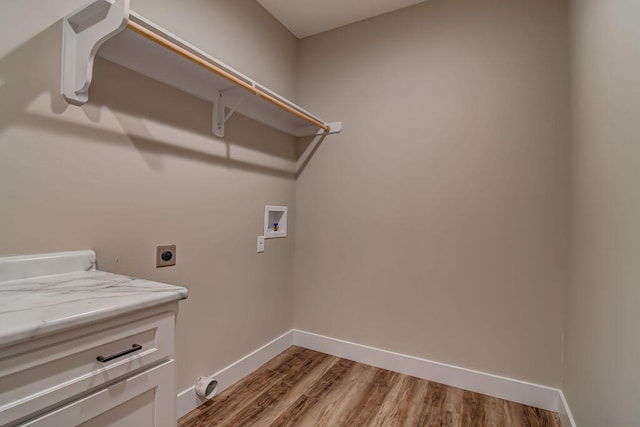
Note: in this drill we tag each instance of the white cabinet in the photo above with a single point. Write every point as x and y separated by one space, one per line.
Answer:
143 400
114 373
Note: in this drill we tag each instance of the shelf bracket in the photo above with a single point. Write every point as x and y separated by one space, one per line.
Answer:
83 32
220 107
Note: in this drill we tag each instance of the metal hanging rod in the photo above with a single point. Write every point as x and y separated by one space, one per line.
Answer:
139 29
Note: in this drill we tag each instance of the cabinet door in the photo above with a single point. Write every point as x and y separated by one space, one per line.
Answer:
42 378
146 399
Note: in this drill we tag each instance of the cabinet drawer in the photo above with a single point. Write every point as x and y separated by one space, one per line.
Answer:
36 380
146 399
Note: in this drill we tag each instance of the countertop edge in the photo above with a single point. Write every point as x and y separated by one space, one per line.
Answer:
55 324
56 327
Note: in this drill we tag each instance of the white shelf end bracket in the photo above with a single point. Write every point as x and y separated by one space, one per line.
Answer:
83 32
220 108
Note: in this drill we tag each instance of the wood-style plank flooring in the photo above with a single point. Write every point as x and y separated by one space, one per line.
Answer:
301 387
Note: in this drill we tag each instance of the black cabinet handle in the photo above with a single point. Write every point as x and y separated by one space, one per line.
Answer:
133 348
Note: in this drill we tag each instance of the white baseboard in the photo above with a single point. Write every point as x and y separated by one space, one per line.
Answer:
493 385
188 400
565 413
540 396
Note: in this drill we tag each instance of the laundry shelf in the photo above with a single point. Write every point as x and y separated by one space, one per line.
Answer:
109 29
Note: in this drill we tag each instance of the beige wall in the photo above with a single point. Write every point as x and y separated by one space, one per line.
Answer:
138 167
435 223
601 374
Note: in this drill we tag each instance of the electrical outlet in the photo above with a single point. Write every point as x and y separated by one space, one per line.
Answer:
260 244
165 255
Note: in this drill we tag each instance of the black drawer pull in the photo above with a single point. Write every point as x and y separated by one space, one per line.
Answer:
133 348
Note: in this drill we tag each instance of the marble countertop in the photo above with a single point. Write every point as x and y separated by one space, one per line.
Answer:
44 304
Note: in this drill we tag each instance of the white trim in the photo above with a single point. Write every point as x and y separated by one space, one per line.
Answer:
536 395
566 417
493 385
188 400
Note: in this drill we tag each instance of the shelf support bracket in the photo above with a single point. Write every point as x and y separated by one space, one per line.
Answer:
219 108
83 32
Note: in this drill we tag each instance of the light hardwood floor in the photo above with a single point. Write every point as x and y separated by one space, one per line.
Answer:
301 387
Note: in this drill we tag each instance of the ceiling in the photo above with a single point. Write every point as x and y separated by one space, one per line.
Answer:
307 17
